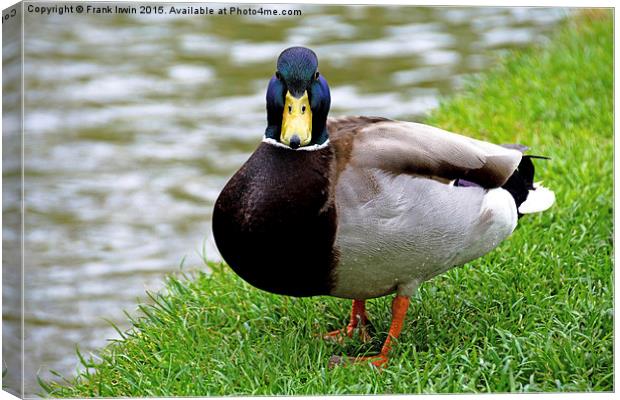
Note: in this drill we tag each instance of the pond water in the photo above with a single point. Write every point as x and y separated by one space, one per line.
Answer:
134 123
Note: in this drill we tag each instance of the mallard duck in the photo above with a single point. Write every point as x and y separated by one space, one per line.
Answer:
363 207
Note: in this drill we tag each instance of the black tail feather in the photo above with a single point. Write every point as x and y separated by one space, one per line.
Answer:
522 180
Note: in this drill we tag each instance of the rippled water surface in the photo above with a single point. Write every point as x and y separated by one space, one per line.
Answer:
134 123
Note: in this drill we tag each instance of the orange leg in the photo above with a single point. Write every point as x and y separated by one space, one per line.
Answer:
359 318
400 304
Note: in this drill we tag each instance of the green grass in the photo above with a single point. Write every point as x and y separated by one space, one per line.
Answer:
534 315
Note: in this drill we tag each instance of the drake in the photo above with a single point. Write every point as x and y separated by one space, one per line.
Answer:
363 207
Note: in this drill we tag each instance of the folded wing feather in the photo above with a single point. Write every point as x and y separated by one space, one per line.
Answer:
412 148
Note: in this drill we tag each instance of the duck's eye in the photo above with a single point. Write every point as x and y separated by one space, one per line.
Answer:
303 109
316 75
278 75
290 109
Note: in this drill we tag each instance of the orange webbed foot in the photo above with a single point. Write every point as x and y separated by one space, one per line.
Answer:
399 310
358 321
339 335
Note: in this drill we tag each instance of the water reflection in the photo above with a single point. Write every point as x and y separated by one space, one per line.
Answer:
134 124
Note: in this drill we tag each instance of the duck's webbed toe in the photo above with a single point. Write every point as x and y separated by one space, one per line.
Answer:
400 304
358 322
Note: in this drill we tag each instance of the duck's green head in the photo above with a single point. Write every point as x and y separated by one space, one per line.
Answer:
297 100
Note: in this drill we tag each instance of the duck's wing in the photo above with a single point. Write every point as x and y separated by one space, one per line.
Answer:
412 148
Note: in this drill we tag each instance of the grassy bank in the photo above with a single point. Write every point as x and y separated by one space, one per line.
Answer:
534 315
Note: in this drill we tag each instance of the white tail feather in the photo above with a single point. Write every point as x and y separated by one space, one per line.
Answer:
538 200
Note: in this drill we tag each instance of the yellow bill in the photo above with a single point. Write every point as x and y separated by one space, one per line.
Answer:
296 120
